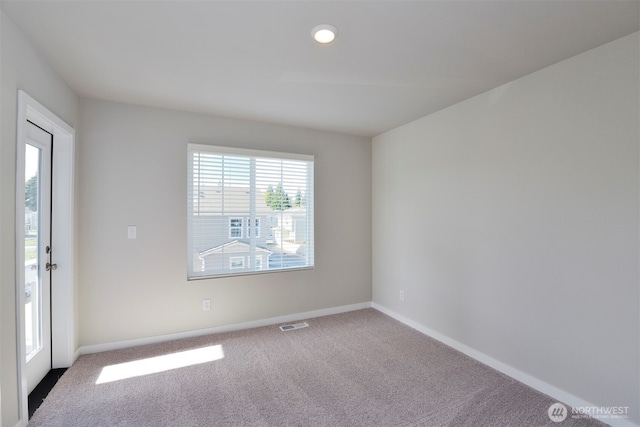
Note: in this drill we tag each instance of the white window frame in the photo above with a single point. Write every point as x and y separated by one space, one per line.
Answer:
207 164
236 227
236 258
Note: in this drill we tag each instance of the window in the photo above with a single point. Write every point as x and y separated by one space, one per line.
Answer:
235 228
256 229
248 211
236 262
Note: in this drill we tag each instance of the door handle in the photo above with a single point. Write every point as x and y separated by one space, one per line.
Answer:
50 266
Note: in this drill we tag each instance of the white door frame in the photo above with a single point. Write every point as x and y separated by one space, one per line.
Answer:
62 221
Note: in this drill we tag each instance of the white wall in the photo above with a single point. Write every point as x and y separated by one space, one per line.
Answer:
132 171
22 68
510 220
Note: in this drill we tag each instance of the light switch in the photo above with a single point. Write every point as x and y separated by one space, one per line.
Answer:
132 231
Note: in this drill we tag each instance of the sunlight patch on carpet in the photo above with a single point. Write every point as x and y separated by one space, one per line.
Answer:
154 365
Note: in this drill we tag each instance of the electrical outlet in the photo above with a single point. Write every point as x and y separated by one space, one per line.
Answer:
401 295
206 304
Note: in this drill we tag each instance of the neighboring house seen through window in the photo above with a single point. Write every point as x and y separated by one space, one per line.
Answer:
248 211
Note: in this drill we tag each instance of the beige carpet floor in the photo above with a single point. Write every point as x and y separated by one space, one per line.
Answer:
354 369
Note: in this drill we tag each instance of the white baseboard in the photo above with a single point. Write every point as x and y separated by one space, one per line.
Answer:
533 382
98 348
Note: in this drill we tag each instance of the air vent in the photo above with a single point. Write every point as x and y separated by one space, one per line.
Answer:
294 326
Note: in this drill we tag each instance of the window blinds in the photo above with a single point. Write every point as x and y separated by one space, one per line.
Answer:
248 211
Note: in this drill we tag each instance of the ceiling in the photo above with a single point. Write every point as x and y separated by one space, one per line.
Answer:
392 62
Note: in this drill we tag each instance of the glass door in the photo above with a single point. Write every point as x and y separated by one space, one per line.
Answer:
37 254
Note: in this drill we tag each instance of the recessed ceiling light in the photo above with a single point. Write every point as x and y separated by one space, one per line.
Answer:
324 33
